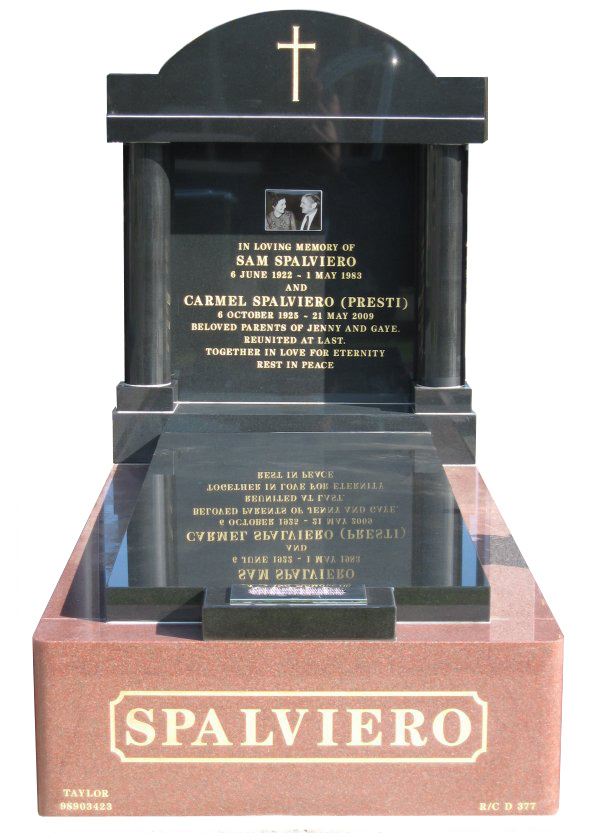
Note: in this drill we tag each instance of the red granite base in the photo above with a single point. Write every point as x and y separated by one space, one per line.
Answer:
135 719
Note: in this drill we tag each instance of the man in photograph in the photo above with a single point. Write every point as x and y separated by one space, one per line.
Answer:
311 208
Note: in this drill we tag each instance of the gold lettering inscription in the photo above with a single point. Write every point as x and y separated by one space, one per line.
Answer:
293 328
86 792
299 726
298 516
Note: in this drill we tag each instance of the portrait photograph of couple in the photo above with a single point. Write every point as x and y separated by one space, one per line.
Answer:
293 210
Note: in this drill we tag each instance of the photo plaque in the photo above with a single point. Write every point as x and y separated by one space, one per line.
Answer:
294 560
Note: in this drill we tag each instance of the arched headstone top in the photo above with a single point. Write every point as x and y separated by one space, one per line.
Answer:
296 76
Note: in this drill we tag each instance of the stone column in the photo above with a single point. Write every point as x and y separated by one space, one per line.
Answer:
443 267
147 233
148 395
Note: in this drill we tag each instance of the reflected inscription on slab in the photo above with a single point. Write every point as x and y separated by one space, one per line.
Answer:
298 509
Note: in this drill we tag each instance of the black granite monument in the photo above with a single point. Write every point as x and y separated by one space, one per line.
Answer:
295 249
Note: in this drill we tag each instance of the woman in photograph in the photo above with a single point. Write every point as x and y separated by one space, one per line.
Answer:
280 219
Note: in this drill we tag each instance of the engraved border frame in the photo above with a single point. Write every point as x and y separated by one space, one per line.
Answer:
483 748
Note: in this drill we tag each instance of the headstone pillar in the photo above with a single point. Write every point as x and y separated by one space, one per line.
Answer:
147 230
441 396
148 394
443 267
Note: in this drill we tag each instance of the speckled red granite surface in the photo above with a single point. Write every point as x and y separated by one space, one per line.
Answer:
510 667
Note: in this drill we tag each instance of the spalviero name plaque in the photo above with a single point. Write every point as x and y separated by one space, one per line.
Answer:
294 568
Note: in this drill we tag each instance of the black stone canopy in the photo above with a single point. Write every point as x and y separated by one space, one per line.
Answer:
233 84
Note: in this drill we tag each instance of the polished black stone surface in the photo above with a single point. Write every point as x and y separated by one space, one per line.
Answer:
231 294
295 508
264 324
356 85
295 264
376 619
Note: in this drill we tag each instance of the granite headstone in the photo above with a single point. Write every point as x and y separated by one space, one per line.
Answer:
294 375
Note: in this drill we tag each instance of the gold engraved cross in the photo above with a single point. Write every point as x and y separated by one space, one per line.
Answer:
296 46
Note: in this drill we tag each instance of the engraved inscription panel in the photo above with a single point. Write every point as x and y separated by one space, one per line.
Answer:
323 309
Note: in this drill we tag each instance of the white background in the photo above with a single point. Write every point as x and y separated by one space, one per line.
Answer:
532 322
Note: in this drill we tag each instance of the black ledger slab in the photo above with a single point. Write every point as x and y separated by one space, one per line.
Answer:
304 510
